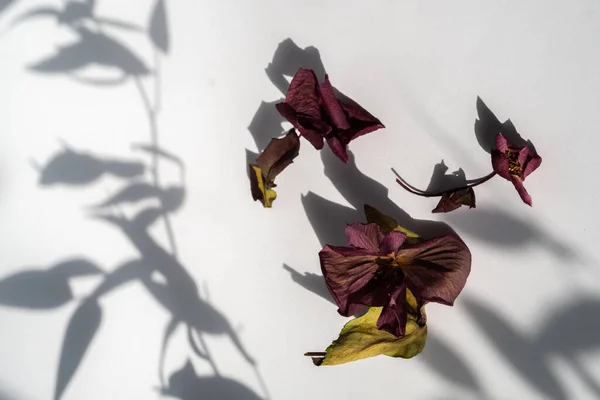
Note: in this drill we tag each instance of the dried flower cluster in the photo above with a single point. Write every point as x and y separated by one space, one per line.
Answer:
386 272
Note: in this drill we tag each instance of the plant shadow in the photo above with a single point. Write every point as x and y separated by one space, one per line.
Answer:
156 267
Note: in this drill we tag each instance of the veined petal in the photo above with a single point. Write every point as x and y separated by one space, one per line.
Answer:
394 314
518 183
531 165
364 236
346 272
391 242
436 270
338 148
312 129
303 95
332 105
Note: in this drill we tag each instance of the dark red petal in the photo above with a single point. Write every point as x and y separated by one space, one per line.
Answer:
391 242
523 154
394 314
500 164
338 148
445 205
303 95
501 143
364 236
531 165
356 112
314 130
278 154
518 183
332 105
436 270
358 129
310 128
347 272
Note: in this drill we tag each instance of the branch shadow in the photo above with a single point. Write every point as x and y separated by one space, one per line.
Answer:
155 267
567 333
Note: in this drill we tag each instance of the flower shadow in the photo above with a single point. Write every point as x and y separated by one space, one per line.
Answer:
266 123
487 127
328 218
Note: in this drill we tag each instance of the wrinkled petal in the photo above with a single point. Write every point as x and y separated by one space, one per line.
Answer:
393 316
391 242
278 154
436 270
523 154
312 129
453 200
360 129
332 105
364 236
518 183
355 111
338 148
303 94
532 164
445 205
500 164
346 272
501 143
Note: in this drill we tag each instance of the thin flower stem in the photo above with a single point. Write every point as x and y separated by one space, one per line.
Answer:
315 354
409 188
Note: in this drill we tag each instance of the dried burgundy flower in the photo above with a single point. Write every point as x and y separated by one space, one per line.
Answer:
319 115
515 163
377 269
278 154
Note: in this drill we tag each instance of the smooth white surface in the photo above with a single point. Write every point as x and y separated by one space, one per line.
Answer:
416 65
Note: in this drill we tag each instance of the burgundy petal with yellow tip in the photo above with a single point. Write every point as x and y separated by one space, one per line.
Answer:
515 163
377 269
320 115
278 154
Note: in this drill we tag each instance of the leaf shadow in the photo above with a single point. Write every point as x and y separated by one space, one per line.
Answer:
185 384
159 28
4 5
71 167
521 351
157 267
573 331
93 49
505 229
81 330
44 289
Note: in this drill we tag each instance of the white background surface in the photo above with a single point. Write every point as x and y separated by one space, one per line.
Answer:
526 326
